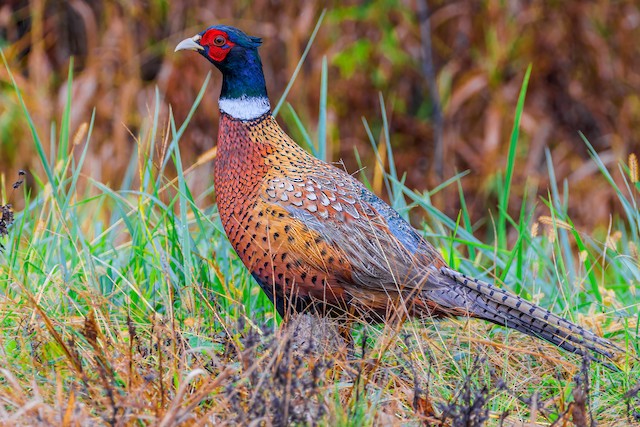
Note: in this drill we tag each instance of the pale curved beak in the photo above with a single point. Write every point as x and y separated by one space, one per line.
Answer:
190 44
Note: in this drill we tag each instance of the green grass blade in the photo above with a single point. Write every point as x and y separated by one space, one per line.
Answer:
193 108
322 115
65 122
78 168
184 235
305 135
513 145
397 199
466 220
299 66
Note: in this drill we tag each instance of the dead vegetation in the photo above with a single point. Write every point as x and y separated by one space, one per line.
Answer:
258 377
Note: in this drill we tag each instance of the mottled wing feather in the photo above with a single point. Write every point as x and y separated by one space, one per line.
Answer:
384 252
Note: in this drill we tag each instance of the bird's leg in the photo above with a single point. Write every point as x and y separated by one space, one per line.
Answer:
344 329
320 336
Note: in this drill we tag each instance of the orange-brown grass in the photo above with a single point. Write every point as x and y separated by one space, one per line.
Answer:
121 374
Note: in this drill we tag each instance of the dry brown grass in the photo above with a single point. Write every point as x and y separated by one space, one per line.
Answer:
112 374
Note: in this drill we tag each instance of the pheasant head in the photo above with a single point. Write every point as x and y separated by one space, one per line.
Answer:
235 54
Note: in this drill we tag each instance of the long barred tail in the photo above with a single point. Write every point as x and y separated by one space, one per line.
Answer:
491 303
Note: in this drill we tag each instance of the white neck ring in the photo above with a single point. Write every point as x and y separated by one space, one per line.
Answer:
245 107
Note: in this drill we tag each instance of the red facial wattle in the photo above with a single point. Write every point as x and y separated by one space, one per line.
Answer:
215 52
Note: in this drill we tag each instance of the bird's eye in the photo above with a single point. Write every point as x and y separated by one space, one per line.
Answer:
219 41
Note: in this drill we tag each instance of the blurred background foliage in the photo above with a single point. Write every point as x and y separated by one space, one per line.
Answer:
586 77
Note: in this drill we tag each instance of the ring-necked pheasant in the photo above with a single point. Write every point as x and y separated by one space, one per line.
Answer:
312 235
